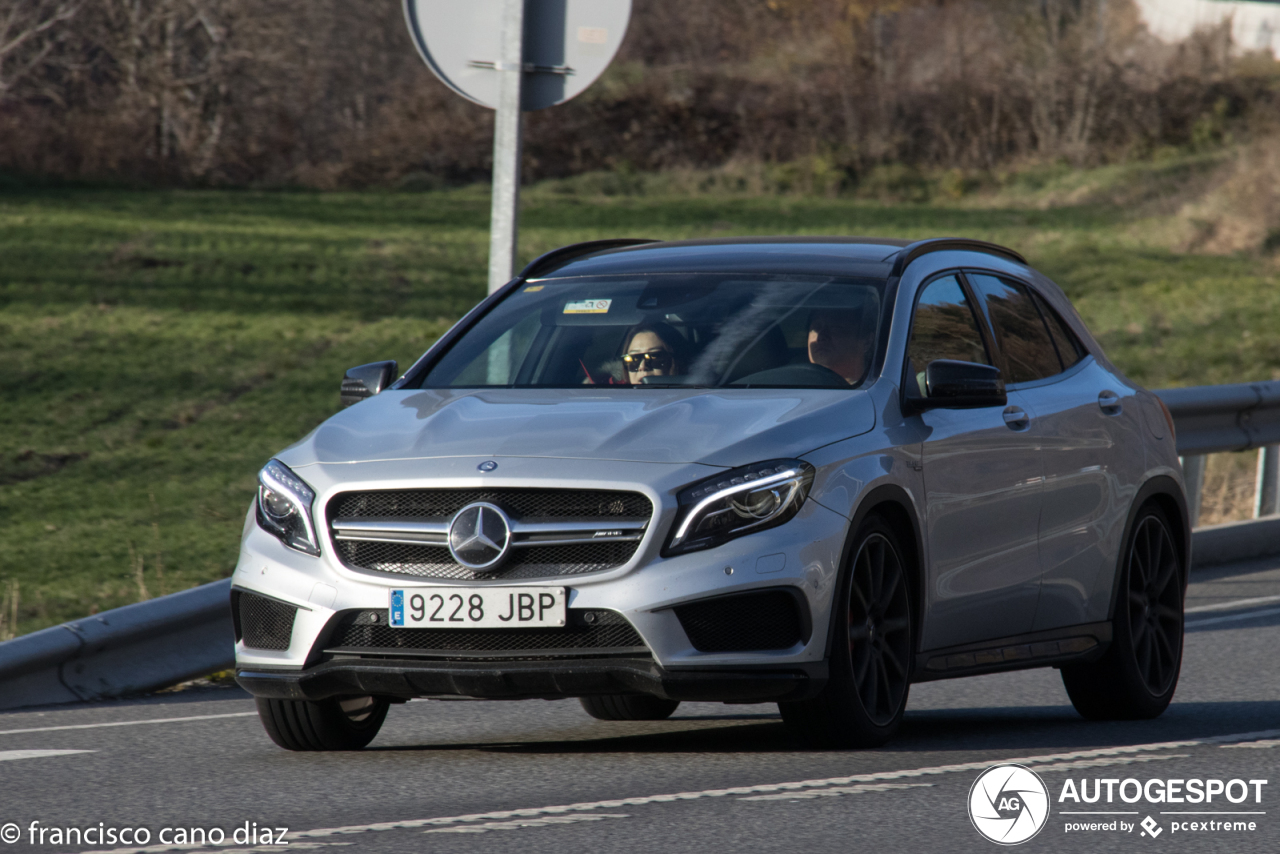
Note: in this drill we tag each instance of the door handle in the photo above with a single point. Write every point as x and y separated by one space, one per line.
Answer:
1109 403
1016 418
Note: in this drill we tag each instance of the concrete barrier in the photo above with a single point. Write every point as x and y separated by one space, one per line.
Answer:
129 650
1219 544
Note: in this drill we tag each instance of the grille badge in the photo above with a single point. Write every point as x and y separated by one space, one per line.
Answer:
487 466
480 536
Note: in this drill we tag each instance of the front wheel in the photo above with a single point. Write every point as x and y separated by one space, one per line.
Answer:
866 693
628 707
339 723
1135 679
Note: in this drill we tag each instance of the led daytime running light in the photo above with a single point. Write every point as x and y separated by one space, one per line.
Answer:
716 492
282 483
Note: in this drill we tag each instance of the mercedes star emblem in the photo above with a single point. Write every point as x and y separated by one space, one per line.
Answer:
479 536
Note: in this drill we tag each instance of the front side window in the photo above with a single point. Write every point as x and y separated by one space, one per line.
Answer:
1024 339
944 328
692 330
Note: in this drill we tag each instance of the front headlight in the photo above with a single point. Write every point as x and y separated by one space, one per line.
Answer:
738 502
284 508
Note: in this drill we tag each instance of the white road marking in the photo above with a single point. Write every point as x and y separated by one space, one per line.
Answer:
1231 618
1265 744
1106 761
838 790
766 788
1231 606
126 723
520 824
6 755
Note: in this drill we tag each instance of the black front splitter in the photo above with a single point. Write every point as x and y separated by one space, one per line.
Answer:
514 680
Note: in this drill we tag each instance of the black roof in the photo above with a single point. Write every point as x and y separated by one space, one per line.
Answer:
873 257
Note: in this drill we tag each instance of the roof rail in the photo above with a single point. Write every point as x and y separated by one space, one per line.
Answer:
556 258
940 244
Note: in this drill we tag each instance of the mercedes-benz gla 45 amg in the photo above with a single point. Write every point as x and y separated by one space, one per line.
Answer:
801 471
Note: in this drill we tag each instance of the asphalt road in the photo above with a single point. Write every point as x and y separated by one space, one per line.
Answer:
497 777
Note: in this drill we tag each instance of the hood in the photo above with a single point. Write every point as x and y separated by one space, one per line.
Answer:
724 427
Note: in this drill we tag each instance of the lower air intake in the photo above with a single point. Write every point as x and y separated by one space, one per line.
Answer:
260 622
744 622
589 632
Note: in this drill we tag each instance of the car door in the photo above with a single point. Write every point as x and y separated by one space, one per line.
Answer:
982 481
1080 411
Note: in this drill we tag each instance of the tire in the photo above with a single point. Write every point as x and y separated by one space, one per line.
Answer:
628 707
1136 677
339 723
872 645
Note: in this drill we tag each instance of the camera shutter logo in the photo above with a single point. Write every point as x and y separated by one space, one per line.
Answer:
1008 804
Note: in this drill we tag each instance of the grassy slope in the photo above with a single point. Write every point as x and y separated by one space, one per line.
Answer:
158 347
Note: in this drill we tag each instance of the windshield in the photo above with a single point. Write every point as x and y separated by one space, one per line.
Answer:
702 330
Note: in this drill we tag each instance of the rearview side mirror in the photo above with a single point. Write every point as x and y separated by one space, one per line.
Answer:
961 385
366 381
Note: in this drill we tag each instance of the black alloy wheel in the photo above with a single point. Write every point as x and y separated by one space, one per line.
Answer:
872 643
879 629
1155 605
1136 677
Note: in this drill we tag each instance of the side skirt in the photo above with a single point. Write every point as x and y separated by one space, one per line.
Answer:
1051 648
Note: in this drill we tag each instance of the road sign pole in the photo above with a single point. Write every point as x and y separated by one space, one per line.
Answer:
504 219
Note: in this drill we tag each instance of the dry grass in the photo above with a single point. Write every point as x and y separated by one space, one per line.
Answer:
1242 213
1229 487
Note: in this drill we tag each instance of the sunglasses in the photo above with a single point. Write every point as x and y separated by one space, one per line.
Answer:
654 360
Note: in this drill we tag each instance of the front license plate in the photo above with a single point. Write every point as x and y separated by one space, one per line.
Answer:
478 607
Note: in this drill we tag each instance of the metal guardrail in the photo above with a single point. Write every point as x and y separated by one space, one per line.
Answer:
1217 418
129 650
158 643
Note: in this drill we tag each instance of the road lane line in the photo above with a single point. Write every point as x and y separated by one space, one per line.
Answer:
6 755
1233 618
766 788
1229 606
1265 744
520 824
126 723
1107 761
838 790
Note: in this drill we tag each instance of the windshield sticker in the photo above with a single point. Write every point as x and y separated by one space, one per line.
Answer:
533 289
588 306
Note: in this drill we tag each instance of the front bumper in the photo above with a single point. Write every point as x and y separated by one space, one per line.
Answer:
520 680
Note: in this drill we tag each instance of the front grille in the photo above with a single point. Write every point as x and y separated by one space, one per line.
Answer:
590 632
528 505
522 505
745 622
260 622
532 562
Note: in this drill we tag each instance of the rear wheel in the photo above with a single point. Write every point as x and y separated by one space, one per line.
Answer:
628 707
1136 677
339 723
866 694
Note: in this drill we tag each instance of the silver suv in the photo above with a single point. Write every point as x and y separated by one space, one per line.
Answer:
802 471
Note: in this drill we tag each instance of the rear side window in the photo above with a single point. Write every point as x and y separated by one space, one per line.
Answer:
1020 329
1070 350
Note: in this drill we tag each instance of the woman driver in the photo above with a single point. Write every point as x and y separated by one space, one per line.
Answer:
653 350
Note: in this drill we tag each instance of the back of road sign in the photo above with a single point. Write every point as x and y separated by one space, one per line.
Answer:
567 45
